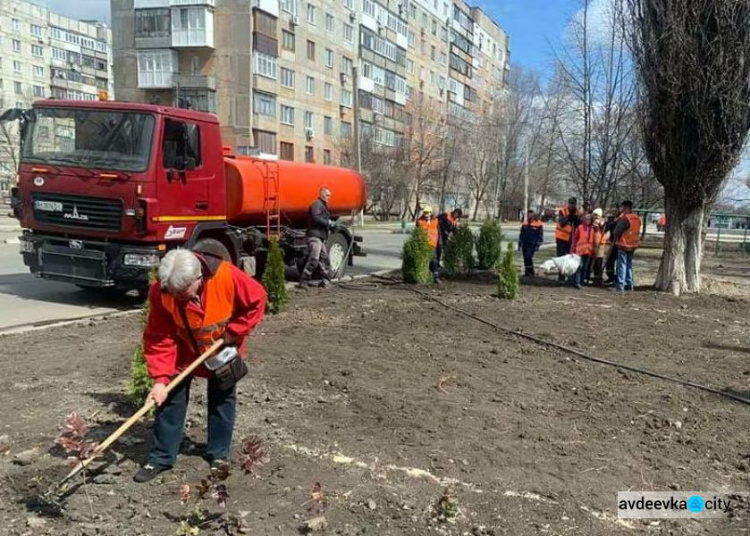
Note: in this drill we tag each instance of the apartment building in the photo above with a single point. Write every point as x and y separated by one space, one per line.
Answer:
284 76
47 55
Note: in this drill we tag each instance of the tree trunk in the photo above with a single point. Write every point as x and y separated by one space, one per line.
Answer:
679 271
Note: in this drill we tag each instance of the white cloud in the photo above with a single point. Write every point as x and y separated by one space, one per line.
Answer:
599 21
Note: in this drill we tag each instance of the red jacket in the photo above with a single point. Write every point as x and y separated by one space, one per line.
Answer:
166 354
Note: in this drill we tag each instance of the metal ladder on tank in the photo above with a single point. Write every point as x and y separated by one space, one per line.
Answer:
272 199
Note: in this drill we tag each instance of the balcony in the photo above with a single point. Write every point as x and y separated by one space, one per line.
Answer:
196 81
147 4
156 69
192 27
153 42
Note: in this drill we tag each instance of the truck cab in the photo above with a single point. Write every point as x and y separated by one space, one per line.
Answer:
105 187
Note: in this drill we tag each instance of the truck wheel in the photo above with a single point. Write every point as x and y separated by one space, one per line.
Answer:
212 247
337 246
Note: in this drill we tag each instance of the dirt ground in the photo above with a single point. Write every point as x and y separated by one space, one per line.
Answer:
385 398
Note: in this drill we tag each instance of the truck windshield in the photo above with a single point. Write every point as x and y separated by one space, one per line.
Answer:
101 139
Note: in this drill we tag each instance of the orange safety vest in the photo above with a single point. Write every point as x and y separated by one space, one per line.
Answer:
631 239
584 240
218 305
563 233
600 240
431 227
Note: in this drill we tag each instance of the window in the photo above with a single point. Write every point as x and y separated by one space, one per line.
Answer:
265 24
349 4
156 68
181 141
347 65
326 157
328 92
410 66
329 22
15 25
36 31
152 22
412 39
264 104
309 120
443 59
58 54
195 65
287 115
413 11
346 129
18 87
38 71
329 58
311 14
287 40
265 65
309 85
290 6
434 27
310 50
346 98
433 53
328 125
38 91
348 33
17 66
287 78
16 45
265 141
309 155
286 151
36 50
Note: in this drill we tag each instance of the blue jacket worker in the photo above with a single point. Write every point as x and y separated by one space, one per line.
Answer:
529 240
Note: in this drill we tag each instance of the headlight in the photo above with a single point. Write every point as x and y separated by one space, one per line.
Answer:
26 246
144 261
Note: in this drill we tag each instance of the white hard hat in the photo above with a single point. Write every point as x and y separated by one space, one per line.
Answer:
598 212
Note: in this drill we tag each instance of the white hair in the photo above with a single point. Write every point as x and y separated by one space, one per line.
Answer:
178 270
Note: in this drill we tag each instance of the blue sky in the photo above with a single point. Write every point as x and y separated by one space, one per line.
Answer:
531 24
535 27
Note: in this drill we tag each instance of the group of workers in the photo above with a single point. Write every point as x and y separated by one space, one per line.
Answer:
439 230
604 244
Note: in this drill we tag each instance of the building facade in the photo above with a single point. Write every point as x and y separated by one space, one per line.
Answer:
45 55
285 76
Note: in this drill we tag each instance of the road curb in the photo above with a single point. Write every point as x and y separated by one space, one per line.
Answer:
98 317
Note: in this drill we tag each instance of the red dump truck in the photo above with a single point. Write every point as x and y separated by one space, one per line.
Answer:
106 188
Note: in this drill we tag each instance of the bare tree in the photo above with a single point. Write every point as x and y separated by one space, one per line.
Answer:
425 139
693 64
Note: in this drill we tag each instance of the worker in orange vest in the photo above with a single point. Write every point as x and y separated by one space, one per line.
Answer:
567 220
583 246
600 247
530 240
430 224
199 298
627 237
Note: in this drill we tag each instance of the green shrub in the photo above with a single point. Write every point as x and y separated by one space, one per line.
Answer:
274 280
415 258
489 245
507 277
458 253
140 382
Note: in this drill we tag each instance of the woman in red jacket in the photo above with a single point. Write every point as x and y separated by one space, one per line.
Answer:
199 298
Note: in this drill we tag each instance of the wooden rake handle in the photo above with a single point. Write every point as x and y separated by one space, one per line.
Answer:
141 412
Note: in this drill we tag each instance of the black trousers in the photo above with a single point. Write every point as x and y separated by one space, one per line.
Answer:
563 248
609 266
528 251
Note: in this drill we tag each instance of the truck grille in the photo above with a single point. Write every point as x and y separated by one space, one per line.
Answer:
77 211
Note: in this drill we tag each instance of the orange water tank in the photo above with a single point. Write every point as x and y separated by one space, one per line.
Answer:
299 185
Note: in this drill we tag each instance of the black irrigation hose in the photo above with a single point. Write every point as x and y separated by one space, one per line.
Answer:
582 355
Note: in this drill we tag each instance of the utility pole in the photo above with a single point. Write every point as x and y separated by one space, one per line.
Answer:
357 137
526 183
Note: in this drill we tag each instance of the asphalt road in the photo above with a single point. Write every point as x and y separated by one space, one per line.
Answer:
26 299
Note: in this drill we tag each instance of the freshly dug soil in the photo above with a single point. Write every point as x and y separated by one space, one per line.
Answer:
386 399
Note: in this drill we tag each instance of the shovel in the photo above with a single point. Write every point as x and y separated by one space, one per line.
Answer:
140 413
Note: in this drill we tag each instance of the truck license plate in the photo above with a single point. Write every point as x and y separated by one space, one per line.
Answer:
48 206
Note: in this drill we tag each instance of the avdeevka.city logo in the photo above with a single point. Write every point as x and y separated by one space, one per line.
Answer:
662 505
